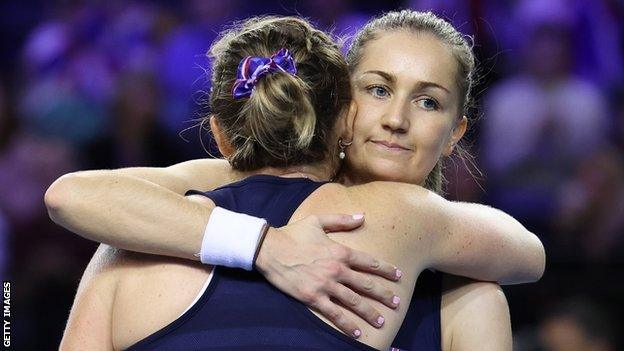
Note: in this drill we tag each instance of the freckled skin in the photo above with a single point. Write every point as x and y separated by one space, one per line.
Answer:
398 111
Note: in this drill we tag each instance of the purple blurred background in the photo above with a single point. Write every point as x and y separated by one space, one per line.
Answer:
107 84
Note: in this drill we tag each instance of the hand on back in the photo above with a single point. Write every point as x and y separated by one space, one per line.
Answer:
302 261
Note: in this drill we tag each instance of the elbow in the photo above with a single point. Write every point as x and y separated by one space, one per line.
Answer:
540 260
61 195
537 260
58 195
530 264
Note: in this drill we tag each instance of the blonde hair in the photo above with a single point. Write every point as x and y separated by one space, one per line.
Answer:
288 119
461 49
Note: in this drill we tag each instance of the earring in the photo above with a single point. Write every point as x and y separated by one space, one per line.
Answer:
342 145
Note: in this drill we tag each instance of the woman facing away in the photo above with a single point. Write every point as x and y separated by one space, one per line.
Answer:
391 99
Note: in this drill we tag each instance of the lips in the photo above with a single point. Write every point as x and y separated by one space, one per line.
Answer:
389 145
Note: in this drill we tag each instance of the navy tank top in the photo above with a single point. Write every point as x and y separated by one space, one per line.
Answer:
241 311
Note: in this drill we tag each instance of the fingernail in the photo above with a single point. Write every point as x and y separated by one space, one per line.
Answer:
398 273
380 320
358 216
357 333
396 300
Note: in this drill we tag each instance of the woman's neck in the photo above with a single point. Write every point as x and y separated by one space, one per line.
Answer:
317 172
345 179
348 177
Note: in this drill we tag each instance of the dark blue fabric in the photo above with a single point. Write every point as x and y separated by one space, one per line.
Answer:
421 329
241 311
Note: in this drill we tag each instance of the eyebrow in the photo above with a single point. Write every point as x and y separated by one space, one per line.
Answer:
421 84
387 76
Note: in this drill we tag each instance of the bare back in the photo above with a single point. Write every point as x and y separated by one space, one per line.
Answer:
153 290
384 235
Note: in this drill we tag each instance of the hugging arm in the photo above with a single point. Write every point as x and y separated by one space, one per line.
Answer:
128 212
487 244
143 209
467 239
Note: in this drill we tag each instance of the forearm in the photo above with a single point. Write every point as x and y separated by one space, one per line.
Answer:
128 212
199 174
158 176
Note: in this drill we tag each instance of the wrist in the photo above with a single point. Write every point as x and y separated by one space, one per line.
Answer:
238 248
265 232
262 262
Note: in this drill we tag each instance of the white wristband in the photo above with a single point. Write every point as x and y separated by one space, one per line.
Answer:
231 239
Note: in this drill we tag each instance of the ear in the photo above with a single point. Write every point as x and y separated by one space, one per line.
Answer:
225 148
456 135
348 122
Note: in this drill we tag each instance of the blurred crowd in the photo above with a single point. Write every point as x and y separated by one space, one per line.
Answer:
108 84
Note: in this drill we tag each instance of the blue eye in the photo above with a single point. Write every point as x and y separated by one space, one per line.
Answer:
428 104
378 91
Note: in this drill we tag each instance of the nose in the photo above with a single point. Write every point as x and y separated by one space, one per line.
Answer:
396 120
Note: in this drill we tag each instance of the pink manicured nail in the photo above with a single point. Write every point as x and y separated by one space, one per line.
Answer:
396 300
357 333
358 216
380 320
398 273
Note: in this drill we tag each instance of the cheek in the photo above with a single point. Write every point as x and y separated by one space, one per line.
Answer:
360 130
430 136
364 125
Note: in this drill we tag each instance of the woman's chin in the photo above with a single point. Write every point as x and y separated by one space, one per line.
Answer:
394 172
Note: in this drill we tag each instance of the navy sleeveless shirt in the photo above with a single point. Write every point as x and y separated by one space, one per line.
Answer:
241 311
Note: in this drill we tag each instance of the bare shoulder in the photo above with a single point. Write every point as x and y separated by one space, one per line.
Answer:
108 266
474 314
393 188
105 263
396 225
410 211
89 323
378 198
147 281
116 261
112 268
388 196
455 288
